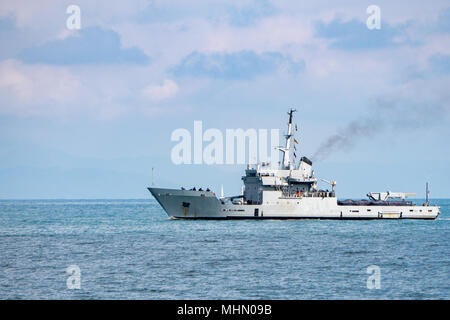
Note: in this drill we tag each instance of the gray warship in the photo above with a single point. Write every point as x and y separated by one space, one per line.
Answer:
288 192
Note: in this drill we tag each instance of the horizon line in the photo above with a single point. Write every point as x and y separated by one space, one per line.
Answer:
152 198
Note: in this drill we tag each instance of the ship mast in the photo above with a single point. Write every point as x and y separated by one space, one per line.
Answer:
287 163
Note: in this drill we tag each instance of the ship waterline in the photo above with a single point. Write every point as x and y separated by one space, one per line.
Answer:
289 192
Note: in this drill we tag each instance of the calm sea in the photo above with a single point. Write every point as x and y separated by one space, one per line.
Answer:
129 249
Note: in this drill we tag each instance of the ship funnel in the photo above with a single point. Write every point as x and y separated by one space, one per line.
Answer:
305 167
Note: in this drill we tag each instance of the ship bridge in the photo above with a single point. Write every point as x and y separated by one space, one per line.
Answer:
263 185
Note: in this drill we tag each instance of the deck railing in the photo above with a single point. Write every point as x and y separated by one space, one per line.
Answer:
315 194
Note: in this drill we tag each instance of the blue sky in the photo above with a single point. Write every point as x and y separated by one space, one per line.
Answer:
87 113
91 45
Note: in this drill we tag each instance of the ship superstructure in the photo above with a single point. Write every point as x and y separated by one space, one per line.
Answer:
287 192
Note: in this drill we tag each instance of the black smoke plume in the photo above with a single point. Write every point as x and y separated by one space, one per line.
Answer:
393 115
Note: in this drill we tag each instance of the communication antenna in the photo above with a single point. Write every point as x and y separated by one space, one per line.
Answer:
153 176
427 192
221 192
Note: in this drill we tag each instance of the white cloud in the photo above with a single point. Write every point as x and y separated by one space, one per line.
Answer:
37 89
69 92
161 92
94 90
273 33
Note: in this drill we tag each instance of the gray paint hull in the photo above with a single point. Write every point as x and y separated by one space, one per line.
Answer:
188 204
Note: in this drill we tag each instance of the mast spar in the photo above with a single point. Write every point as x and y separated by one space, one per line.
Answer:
287 163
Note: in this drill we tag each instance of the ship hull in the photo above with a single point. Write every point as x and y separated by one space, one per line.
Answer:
189 204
